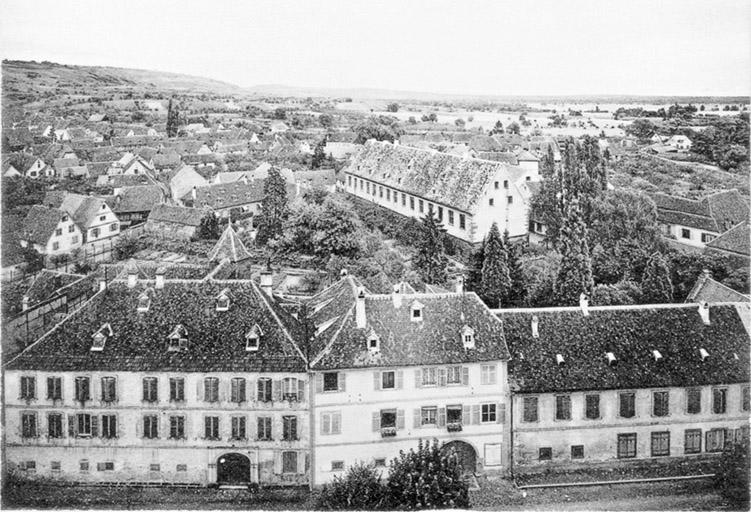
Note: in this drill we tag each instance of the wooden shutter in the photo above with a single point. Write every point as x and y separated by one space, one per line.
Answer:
222 389
118 427
466 412
418 377
278 463
319 383
139 426
441 416
476 414
417 418
50 387
377 381
336 423
94 425
300 462
500 416
376 421
399 379
199 390
276 390
72 425
400 419
465 375
251 392
300 390
441 376
342 381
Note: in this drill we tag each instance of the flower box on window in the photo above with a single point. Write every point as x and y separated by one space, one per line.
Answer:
388 432
454 427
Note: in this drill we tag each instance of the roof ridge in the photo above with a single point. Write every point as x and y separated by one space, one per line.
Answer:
625 307
328 346
278 320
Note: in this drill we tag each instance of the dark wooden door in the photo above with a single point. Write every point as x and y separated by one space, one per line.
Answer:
465 453
233 469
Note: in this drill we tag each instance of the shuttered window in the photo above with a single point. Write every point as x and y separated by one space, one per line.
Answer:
177 427
693 400
563 407
331 423
488 413
150 389
719 400
264 428
28 388
55 425
177 389
82 389
660 403
264 390
429 416
289 462
331 381
289 428
238 427
692 443
29 424
237 392
109 426
592 411
211 389
84 423
626 446
109 389
488 374
530 409
151 426
211 427
660 444
627 405
54 388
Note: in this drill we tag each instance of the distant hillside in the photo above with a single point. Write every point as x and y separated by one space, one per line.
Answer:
41 76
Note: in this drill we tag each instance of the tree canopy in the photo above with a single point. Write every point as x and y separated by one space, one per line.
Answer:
273 208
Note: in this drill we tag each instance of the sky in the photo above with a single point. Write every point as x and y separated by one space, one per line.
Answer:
497 47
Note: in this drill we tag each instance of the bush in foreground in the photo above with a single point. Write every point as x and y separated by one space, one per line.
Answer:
732 474
359 489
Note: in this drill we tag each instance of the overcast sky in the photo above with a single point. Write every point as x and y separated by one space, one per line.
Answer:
557 47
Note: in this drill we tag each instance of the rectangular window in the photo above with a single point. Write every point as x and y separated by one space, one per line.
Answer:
451 217
692 444
388 194
546 453
745 398
454 375
237 394
627 405
706 238
177 427
411 203
505 184
55 465
289 428
264 428
429 377
155 468
84 425
150 393
28 388
509 199
289 462
388 418
59 232
577 451
420 206
177 389
693 400
292 389
530 409
349 181
82 389
686 233
211 427
264 390
488 413
55 425
238 427
331 381
660 403
626 446
74 239
331 423
491 201
380 463
563 407
660 444
488 374
715 440
462 224
109 389
103 218
71 228
719 400
440 214
151 426
592 407
388 380
83 465
337 465
181 468
55 246
28 424
211 389
429 416
380 191
404 199
497 185
109 426
105 466
454 415
54 388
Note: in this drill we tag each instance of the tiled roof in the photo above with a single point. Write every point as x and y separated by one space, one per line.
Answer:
736 240
728 208
176 215
82 209
183 180
454 181
631 333
136 199
717 212
227 195
229 246
47 283
317 178
40 223
216 339
707 289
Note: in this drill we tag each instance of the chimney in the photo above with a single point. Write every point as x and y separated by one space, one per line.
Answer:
535 323
704 312
102 284
584 304
297 189
459 286
396 296
132 277
193 193
343 272
267 276
160 278
25 303
360 320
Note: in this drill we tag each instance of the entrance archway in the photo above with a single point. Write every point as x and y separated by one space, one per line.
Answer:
466 454
233 469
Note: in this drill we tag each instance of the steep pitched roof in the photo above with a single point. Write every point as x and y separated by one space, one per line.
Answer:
630 333
136 199
183 180
40 223
229 246
82 209
728 208
227 195
707 289
717 212
736 240
176 215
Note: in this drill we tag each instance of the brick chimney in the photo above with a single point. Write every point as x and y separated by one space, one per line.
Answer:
584 304
267 277
25 303
360 319
132 277
160 278
396 296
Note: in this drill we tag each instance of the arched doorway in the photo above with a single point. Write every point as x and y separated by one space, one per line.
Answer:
233 469
466 454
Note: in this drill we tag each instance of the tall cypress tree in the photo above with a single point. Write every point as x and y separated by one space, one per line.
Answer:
575 273
474 270
319 155
273 208
656 286
496 281
547 163
430 261
517 290
173 122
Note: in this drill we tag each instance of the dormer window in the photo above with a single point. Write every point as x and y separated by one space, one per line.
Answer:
100 338
222 301
559 360
612 361
657 356
144 302
703 353
374 342
416 312
178 339
468 337
253 338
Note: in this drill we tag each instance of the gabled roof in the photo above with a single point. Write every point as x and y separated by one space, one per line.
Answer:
227 195
707 289
717 212
136 199
176 215
229 247
82 209
630 333
736 240
183 180
40 223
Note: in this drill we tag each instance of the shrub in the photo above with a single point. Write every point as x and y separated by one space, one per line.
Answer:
126 247
359 489
732 474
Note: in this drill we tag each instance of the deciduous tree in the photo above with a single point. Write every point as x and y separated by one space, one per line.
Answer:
430 261
575 273
656 285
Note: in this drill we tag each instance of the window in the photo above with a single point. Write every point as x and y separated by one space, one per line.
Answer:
177 427
264 390
660 444
509 199
150 393
349 181
686 233
82 389
429 416
238 427
493 454
109 426
292 389
331 381
563 407
54 388
177 389
660 403
497 185
105 466
530 409
71 228
83 422
380 191
692 444
181 468
461 221
264 428
380 463
289 428
626 446
488 374
28 388
451 217
388 380
491 201
74 239
337 465
420 206
429 376
715 440
706 238
55 465
55 246
577 451
95 233
211 389
411 203
693 400
592 407
55 425
237 391
155 468
719 400
454 375
211 427
109 389
331 423
151 426
627 405
388 194
416 314
745 398
546 453
454 415
289 462
59 232
488 413
388 418
28 424
440 214
83 465
102 218
404 199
